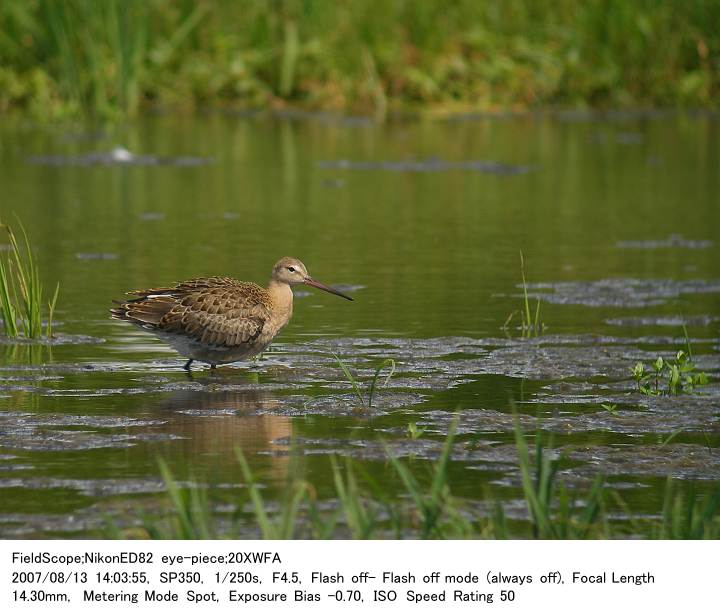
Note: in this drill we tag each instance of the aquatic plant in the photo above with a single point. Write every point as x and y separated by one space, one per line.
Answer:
668 377
530 324
386 363
21 291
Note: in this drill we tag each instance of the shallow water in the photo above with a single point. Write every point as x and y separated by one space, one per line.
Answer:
617 218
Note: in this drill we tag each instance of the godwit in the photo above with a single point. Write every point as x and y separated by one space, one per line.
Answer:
219 320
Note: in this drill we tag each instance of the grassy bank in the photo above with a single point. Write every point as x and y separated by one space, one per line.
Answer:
115 57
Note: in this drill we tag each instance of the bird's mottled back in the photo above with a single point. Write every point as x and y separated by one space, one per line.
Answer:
217 311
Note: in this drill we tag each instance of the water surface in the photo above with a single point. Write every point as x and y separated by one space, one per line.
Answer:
617 218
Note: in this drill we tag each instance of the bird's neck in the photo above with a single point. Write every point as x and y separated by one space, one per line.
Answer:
282 297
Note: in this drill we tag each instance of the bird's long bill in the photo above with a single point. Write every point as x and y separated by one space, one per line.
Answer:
319 285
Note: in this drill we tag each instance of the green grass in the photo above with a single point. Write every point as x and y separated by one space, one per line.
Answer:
118 57
552 511
387 363
21 291
530 323
425 506
684 516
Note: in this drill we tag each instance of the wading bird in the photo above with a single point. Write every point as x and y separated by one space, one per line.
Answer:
219 320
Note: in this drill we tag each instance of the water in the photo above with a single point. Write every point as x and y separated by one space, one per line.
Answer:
617 218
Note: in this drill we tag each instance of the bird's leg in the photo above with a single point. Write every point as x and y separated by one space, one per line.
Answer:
188 364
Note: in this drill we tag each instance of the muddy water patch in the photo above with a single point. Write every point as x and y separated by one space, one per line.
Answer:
96 256
688 416
56 339
427 165
28 526
620 292
91 421
117 156
348 404
702 320
442 363
37 432
673 240
676 460
87 487
681 461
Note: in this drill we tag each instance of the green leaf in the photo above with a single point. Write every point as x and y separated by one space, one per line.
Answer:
639 370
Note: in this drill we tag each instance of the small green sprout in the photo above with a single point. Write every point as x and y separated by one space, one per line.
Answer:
413 431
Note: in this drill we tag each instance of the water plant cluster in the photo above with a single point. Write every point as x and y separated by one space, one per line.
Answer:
120 56
668 377
429 511
21 291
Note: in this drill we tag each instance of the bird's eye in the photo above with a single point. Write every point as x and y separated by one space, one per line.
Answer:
291 269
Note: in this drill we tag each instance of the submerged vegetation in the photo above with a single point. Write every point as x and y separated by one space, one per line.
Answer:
363 510
21 290
121 56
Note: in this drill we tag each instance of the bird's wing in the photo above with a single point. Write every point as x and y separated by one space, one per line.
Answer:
188 286
218 311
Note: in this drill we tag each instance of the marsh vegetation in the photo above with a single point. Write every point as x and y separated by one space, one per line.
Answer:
114 58
22 300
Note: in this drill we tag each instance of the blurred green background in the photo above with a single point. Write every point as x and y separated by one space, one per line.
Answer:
114 58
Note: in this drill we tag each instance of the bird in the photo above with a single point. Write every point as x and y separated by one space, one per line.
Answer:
219 320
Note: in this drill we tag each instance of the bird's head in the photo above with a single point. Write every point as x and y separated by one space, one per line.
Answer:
293 271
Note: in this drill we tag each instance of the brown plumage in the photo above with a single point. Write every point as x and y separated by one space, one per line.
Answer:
219 320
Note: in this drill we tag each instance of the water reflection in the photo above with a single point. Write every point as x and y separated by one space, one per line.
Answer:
222 417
